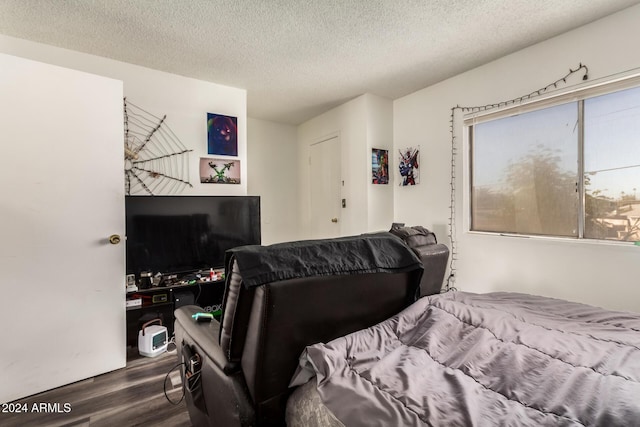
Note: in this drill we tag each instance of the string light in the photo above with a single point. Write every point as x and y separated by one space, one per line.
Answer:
450 285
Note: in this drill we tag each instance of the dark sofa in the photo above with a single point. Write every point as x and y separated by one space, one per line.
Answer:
279 299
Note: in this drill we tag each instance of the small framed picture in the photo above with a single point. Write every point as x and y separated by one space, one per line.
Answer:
409 165
379 166
222 135
219 171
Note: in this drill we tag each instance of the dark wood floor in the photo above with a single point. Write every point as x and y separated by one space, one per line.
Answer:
132 396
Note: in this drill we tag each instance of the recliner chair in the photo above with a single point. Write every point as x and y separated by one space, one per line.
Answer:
279 299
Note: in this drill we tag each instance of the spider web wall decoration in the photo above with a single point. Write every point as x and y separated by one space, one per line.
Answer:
156 161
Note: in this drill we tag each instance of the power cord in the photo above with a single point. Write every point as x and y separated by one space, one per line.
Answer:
194 379
165 386
171 344
199 292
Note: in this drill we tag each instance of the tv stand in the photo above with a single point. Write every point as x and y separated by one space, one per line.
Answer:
161 301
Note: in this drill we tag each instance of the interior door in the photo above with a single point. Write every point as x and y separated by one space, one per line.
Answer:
61 197
326 182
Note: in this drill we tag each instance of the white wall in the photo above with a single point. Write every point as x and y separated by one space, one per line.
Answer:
600 274
361 124
273 156
185 101
380 135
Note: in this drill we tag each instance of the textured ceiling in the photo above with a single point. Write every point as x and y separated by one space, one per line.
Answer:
299 58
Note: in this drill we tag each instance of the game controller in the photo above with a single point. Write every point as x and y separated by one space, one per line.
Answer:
202 317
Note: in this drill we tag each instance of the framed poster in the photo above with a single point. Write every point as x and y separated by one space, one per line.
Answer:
409 166
222 135
219 171
379 166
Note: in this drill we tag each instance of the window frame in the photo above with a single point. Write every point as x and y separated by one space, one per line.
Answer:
576 94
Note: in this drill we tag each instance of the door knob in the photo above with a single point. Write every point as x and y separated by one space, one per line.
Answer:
334 219
114 239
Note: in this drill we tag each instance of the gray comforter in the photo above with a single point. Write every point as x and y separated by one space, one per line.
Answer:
461 359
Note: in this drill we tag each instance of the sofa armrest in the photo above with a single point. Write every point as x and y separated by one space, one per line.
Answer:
434 256
220 397
434 259
205 334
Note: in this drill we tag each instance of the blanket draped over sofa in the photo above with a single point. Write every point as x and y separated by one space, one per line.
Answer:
493 359
371 253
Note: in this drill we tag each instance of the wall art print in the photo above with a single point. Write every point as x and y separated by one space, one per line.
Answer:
219 171
379 166
409 165
222 135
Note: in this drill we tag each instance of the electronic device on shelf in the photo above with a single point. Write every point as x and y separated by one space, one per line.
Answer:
159 298
131 280
169 280
177 235
133 302
145 279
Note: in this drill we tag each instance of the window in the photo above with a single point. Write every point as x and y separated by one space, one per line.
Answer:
570 170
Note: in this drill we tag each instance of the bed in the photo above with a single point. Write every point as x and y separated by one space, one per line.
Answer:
463 359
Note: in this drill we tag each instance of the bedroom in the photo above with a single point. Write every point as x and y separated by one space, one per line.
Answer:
591 273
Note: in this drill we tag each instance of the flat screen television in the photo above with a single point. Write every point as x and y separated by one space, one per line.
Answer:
183 234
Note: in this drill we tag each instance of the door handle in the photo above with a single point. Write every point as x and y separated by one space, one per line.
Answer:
334 219
114 239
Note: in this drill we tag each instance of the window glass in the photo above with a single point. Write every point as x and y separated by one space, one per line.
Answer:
524 173
612 165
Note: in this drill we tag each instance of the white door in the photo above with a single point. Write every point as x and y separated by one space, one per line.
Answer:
61 196
325 188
